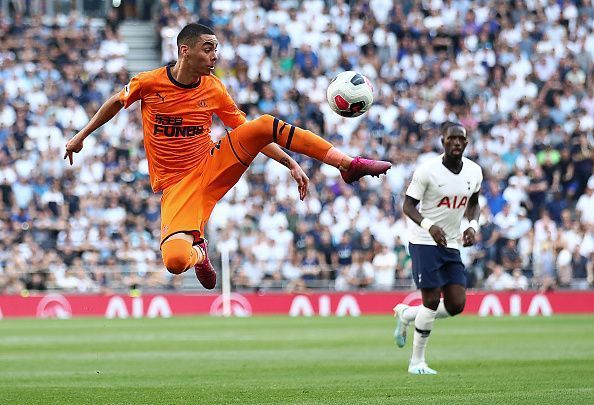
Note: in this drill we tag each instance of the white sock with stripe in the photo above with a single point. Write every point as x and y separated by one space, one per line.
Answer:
423 326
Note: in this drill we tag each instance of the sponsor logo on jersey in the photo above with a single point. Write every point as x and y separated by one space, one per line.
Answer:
454 202
172 127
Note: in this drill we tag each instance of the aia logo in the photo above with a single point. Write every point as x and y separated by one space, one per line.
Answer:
202 103
161 97
453 203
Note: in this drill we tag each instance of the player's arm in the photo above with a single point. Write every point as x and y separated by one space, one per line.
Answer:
472 213
409 207
275 152
107 111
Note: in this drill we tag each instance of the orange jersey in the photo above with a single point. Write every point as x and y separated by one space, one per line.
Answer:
176 121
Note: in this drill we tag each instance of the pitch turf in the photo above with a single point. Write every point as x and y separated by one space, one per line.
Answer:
294 360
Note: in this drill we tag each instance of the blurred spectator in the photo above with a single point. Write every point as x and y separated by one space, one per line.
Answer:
510 256
384 266
499 280
358 275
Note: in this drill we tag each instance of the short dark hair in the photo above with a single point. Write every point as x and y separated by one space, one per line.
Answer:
190 34
449 124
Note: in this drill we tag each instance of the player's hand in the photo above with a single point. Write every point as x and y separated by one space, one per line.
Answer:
74 145
469 237
302 180
438 235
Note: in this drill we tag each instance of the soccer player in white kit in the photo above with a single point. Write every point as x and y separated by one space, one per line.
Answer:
448 189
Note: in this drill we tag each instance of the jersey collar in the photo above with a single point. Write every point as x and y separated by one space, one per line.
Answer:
178 84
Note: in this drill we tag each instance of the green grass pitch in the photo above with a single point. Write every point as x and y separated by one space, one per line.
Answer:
294 360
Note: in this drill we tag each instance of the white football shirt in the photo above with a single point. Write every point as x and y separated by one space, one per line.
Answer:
443 197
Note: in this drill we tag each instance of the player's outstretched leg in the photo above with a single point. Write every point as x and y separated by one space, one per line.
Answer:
205 273
401 325
255 135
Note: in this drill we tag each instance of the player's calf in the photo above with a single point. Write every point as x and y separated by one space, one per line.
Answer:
454 309
454 302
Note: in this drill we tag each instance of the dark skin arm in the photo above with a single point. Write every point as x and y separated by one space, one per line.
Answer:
472 213
410 210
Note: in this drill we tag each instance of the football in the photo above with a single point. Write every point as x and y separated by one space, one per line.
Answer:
350 94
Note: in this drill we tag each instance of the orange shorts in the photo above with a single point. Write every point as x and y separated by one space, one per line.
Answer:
186 205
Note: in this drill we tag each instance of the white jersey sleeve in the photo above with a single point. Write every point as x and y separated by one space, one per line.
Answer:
418 184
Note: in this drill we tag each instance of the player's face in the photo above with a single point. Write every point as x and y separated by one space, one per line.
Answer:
202 57
454 142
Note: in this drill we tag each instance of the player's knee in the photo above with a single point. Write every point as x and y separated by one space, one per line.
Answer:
175 264
265 124
176 255
265 119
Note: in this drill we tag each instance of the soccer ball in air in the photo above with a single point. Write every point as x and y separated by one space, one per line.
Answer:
350 94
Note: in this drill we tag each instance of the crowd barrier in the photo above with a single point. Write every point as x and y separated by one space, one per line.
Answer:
314 304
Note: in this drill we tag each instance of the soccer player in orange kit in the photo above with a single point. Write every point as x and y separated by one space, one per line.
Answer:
192 171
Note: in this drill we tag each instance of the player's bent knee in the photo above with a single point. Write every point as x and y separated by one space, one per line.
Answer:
175 264
265 118
177 255
265 123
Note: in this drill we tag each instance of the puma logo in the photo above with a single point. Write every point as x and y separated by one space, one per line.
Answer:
161 97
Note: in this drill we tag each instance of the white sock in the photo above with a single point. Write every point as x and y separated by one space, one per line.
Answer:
423 325
410 313
441 311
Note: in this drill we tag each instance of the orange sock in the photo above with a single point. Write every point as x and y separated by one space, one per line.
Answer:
178 255
256 134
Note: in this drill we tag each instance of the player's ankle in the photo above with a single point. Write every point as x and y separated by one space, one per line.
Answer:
200 254
345 163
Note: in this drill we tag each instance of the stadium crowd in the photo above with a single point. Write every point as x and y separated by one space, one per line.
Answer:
517 74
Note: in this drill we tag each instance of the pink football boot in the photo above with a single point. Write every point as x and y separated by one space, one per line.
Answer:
364 167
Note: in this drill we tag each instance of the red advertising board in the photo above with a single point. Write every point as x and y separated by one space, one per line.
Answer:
315 304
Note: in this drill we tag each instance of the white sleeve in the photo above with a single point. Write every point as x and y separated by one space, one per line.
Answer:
418 184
